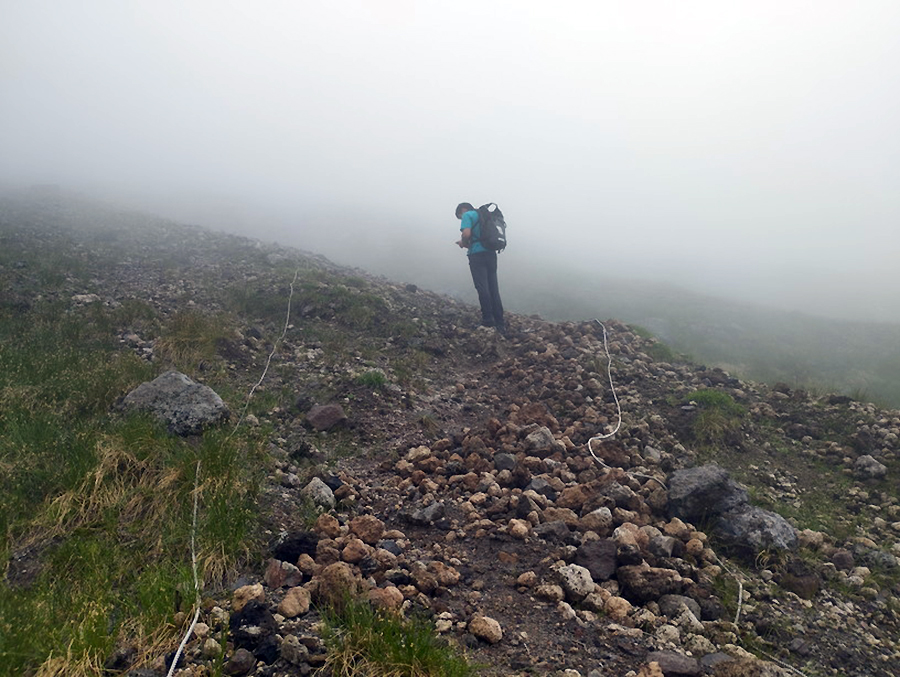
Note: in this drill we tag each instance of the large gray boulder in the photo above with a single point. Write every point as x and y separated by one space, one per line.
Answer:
698 494
707 495
867 468
185 406
754 529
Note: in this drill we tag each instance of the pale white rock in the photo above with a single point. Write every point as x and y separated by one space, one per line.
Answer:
319 493
486 628
668 635
211 648
576 581
442 626
245 594
566 611
295 603
417 454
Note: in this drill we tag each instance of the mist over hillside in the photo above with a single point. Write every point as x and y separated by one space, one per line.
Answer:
712 321
755 341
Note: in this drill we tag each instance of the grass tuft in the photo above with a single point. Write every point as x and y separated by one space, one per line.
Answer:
718 417
364 641
189 340
374 378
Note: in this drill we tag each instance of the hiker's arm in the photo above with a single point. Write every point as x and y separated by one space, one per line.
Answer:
469 219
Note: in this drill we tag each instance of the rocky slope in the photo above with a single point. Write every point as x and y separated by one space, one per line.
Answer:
455 472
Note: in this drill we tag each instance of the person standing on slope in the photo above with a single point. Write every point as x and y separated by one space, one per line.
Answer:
483 266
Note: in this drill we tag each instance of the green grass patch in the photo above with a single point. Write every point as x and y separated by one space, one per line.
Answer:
718 417
258 302
410 367
189 340
374 378
364 641
96 507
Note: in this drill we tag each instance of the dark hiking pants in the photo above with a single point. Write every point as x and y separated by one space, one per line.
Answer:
484 274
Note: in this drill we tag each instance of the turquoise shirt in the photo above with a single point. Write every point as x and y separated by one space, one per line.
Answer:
470 220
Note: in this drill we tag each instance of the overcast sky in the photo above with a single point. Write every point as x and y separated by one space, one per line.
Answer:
746 148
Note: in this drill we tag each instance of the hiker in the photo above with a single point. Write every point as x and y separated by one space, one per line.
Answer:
483 264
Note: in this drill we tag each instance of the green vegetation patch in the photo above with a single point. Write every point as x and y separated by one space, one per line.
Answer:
374 378
189 339
96 508
364 641
718 416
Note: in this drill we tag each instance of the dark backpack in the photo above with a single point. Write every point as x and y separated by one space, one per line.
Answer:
492 228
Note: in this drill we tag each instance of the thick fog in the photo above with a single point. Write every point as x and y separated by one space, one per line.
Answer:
741 149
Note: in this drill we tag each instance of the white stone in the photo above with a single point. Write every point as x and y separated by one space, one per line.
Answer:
668 634
486 628
576 581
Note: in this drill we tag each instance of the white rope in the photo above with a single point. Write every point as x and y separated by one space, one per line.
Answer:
740 602
197 599
605 436
782 663
287 319
612 387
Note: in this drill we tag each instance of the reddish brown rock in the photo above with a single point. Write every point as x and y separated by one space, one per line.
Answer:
368 528
386 598
279 574
328 526
335 583
354 551
572 498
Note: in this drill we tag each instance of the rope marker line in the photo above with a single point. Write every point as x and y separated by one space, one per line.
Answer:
619 411
287 319
197 599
